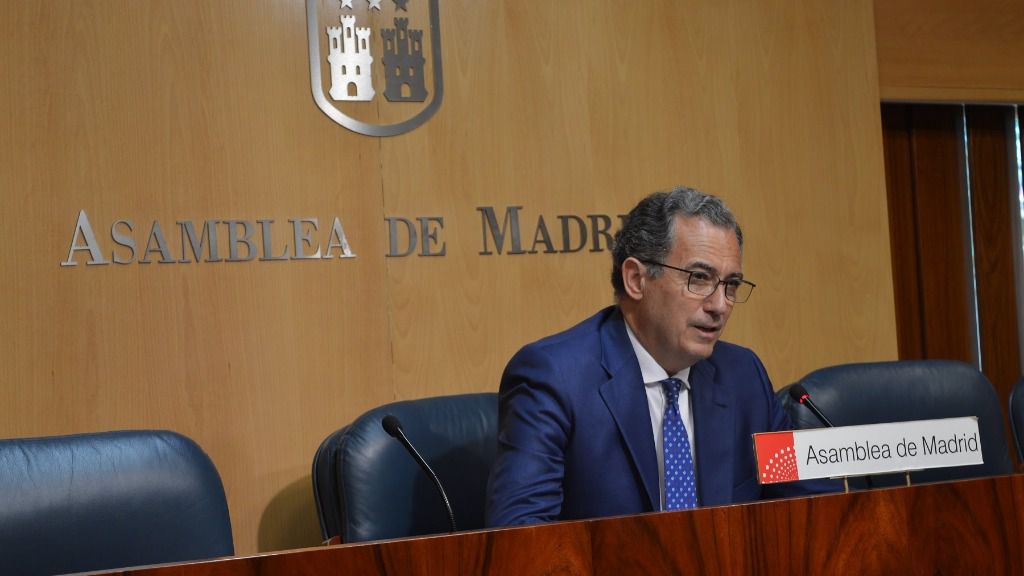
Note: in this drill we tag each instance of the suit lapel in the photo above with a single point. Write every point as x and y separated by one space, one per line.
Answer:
713 433
626 399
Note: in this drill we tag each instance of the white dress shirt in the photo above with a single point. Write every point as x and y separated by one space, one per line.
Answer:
653 374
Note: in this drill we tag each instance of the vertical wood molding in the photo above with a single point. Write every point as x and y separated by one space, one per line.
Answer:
903 230
991 138
939 203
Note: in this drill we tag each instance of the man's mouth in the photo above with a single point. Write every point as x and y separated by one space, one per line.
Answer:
709 330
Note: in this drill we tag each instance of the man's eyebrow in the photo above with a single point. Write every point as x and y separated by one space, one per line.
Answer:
698 265
704 266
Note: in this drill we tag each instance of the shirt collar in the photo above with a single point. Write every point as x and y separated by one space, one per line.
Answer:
650 370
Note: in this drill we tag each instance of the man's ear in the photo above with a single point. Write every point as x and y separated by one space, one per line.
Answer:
634 278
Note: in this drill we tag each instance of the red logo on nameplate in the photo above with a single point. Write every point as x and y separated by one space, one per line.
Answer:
776 457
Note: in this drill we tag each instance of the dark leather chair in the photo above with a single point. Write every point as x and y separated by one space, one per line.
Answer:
367 487
1017 417
108 500
874 393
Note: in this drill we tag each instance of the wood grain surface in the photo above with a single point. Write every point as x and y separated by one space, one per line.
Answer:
967 527
191 110
950 50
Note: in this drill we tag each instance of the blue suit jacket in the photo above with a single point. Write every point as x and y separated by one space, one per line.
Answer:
575 440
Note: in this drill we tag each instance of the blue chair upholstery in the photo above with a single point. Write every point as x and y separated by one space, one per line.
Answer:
367 487
108 500
1017 417
875 393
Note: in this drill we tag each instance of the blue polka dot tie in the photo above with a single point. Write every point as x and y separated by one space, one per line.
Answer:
680 484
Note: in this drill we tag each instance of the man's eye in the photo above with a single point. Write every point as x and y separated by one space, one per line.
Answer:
700 277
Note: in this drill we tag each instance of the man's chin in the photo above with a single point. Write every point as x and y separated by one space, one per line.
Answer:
706 340
701 350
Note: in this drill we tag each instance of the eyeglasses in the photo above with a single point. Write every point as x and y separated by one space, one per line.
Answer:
704 284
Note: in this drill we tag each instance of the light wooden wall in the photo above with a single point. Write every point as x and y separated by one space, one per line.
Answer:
195 110
950 50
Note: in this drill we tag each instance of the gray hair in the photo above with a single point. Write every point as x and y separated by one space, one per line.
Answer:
648 231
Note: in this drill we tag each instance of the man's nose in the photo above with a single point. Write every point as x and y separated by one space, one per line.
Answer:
716 301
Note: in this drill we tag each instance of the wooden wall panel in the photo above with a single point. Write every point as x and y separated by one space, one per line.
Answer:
194 110
174 111
940 201
579 143
954 220
897 129
950 50
991 148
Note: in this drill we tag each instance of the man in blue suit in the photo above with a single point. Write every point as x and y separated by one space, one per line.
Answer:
594 419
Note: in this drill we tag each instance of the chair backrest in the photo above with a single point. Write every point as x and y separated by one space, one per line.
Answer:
367 487
1017 417
874 393
108 500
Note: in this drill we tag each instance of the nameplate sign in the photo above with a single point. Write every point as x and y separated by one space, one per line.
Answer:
867 449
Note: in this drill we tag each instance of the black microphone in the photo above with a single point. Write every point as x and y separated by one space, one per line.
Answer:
394 429
799 393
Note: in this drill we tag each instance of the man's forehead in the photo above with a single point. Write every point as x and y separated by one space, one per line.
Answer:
697 234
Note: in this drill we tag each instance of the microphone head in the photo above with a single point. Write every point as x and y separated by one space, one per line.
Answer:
391 425
798 392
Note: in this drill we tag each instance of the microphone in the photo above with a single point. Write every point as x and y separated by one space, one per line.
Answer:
393 427
799 393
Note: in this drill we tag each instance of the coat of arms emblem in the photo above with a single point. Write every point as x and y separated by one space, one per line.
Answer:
375 65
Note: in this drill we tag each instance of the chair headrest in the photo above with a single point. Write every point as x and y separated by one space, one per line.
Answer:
878 392
378 489
109 500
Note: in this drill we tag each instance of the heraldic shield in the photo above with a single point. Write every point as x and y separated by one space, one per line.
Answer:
375 65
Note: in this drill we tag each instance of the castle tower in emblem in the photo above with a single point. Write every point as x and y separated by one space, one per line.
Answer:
403 63
350 59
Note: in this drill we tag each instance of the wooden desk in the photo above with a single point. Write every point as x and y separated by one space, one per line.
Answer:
968 527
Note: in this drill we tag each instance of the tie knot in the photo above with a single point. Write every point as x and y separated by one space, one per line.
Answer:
672 386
